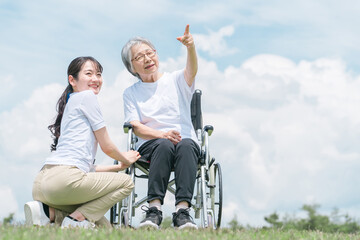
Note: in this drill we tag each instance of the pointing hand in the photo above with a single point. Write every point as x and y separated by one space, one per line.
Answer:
187 38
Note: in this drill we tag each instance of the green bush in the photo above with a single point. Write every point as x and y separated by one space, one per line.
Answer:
315 221
8 220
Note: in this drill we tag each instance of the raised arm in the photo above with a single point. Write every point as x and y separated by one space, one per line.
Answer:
191 62
109 148
148 133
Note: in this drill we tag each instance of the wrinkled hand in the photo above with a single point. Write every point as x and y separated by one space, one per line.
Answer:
130 157
187 38
173 136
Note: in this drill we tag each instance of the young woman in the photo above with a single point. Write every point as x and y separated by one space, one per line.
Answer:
69 181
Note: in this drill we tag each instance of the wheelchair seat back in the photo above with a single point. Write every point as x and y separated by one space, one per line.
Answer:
196 115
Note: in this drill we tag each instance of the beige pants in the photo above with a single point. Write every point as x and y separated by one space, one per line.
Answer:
67 188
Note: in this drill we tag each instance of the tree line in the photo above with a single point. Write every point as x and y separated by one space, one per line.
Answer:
315 221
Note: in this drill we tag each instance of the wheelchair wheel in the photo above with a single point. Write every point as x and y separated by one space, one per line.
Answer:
216 196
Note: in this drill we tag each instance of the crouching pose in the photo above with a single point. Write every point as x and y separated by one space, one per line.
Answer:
158 107
70 190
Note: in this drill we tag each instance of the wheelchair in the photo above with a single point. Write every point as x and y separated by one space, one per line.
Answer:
208 194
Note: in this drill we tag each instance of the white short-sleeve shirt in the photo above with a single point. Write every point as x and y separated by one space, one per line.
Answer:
77 144
162 105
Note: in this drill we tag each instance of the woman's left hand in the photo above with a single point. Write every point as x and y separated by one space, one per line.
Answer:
187 38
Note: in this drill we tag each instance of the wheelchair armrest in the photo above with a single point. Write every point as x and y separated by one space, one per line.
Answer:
209 129
127 126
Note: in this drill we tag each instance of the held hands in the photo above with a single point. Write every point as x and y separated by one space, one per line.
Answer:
129 158
173 136
187 38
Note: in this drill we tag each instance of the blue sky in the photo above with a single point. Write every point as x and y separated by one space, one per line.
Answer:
280 84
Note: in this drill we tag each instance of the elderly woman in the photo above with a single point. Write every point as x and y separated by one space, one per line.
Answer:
158 107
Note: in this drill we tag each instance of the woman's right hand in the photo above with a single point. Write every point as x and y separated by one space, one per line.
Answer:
130 157
173 136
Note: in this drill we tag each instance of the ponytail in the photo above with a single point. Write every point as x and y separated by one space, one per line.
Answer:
55 128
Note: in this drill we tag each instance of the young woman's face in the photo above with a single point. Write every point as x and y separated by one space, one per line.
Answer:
144 59
89 78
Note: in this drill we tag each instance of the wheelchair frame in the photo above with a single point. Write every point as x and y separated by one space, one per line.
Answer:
207 201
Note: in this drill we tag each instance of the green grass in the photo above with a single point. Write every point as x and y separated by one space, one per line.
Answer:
34 233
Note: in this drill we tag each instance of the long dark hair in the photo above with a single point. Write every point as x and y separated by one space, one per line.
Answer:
73 70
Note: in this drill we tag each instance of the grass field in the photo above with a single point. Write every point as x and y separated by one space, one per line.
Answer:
35 233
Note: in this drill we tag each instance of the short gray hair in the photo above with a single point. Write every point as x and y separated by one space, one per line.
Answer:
126 52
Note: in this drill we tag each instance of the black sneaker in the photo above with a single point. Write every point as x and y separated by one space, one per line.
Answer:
153 217
182 219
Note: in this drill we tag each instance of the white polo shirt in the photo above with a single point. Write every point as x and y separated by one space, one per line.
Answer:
77 144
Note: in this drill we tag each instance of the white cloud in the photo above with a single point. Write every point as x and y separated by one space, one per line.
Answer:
231 210
285 129
24 128
214 42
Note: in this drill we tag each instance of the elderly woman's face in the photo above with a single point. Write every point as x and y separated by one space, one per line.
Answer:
144 60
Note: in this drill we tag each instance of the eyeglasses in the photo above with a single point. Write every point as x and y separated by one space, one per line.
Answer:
141 57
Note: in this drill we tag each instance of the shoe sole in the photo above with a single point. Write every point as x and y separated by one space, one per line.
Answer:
28 215
148 224
188 226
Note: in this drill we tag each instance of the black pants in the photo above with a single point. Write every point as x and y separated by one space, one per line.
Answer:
164 156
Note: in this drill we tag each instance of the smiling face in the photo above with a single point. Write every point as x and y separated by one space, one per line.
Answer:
145 61
89 78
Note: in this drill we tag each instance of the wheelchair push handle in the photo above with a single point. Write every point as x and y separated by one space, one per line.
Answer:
127 126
